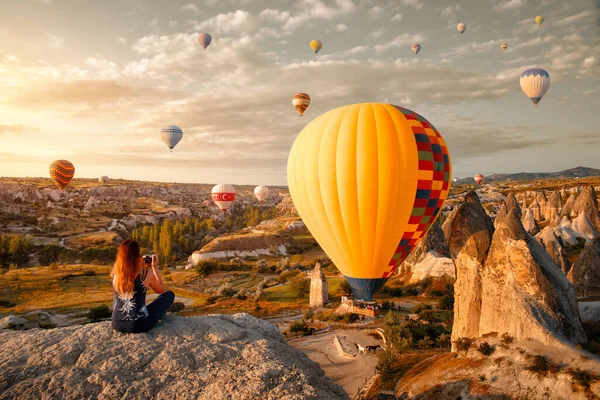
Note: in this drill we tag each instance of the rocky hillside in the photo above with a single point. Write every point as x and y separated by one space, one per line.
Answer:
210 357
577 172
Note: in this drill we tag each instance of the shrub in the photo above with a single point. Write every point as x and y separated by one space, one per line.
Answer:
485 348
345 288
395 292
300 287
49 254
177 307
482 378
582 377
3 271
386 360
463 343
443 341
226 291
53 267
7 304
212 299
446 302
99 313
422 307
205 267
425 343
301 327
349 318
411 291
506 340
287 275
542 365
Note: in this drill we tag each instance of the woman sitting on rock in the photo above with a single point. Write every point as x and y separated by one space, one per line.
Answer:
131 277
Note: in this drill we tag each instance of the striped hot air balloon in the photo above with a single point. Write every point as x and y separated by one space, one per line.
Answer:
223 195
171 135
61 172
301 101
261 192
369 180
478 178
535 82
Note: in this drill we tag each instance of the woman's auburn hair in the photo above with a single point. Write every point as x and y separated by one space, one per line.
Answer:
126 268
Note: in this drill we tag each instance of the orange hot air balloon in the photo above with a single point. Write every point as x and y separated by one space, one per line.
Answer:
61 172
369 180
301 101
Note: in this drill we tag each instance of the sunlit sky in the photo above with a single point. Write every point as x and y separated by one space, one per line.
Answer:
93 82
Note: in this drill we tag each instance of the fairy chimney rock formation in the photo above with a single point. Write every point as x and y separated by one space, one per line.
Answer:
501 214
524 293
555 247
585 274
529 223
470 238
542 201
536 209
567 210
319 291
584 227
588 203
447 225
431 257
553 207
512 203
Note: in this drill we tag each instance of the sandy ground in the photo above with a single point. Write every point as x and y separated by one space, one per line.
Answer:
350 373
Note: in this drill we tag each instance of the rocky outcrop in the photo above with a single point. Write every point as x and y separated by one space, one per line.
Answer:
529 223
447 225
242 246
508 283
319 290
502 376
431 257
542 200
584 227
512 203
588 203
209 357
555 248
470 239
524 293
585 274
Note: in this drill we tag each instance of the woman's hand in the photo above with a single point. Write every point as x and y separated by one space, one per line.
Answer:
154 261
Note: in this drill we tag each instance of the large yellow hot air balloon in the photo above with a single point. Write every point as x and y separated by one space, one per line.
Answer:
368 181
316 45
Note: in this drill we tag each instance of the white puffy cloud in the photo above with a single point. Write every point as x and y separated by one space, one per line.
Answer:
505 5
416 4
396 17
376 12
190 7
341 27
399 41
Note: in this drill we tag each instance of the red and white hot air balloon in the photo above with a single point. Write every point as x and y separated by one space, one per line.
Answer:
478 178
223 195
261 192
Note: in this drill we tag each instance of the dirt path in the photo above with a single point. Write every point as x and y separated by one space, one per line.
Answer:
350 373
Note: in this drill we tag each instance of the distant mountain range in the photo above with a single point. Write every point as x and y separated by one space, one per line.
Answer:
577 172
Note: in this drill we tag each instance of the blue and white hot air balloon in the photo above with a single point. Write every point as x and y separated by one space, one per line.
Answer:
535 82
171 135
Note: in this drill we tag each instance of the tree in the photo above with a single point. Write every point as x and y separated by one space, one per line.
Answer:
166 242
345 287
300 287
49 254
19 248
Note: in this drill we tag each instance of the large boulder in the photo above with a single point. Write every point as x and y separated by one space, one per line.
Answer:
587 203
523 291
470 239
585 273
209 357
